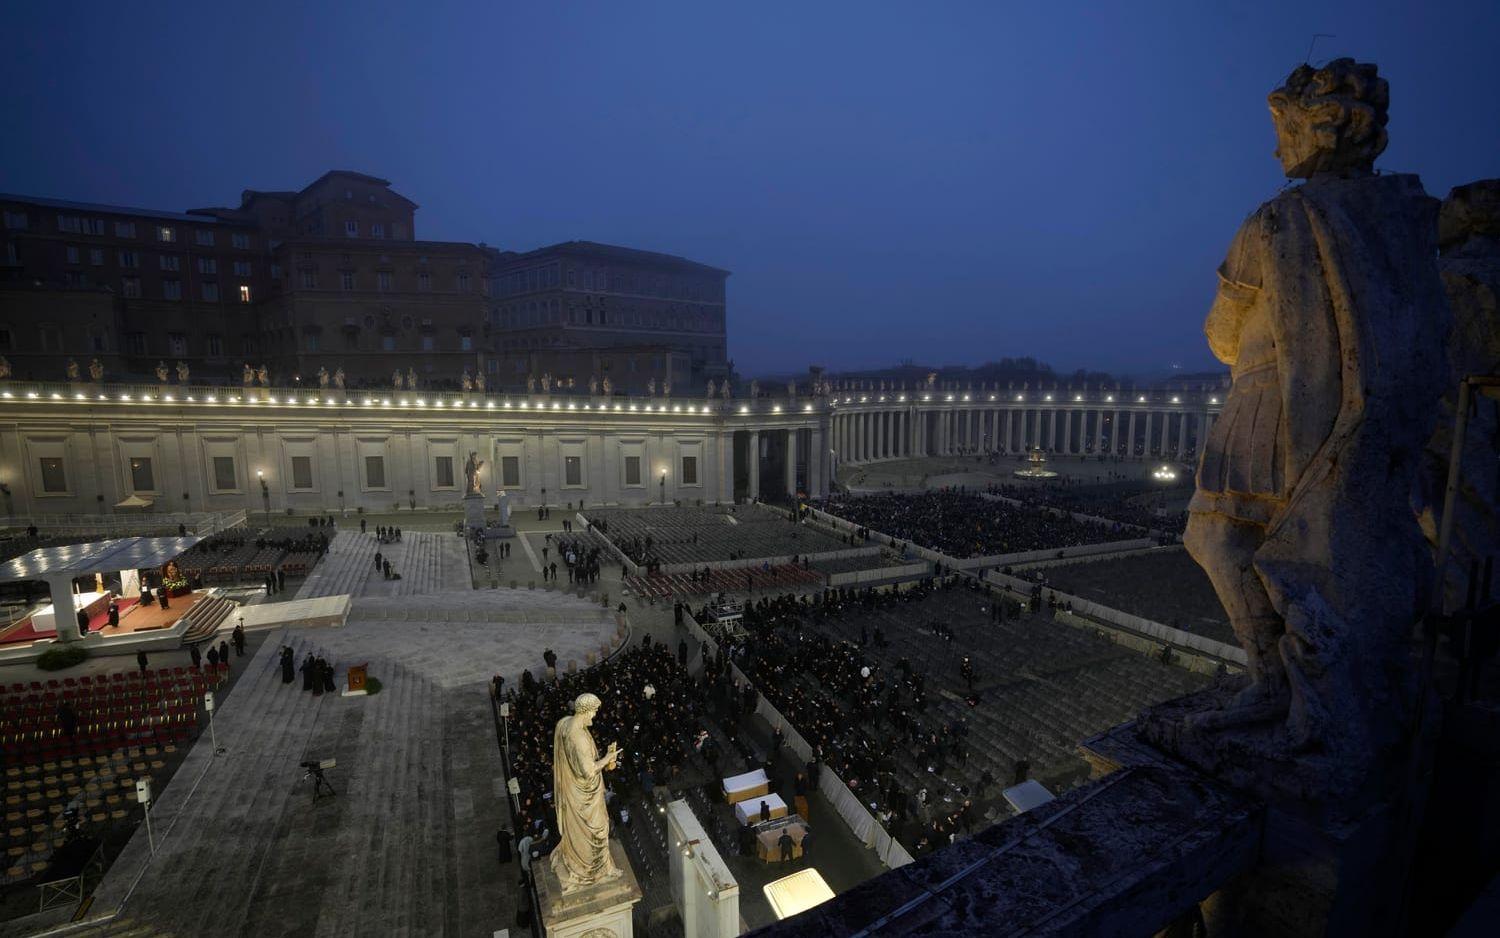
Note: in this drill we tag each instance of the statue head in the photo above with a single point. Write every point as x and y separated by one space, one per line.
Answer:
1330 119
585 707
1470 213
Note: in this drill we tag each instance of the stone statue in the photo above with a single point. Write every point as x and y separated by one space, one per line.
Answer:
263 376
182 373
581 857
1469 236
466 382
650 387
931 379
726 390
609 386
710 394
161 372
1332 317
411 378
593 386
531 384
338 377
4 368
72 369
479 381
322 377
396 381
572 383
247 377
96 370
546 382
666 387
754 389
471 473
791 389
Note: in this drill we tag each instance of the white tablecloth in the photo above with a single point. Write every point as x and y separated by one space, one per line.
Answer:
748 811
739 787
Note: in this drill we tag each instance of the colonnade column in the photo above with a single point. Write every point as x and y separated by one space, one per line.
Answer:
1067 446
1130 436
1008 415
791 463
816 459
754 474
1166 425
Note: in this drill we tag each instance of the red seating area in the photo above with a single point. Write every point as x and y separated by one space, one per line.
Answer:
667 585
118 711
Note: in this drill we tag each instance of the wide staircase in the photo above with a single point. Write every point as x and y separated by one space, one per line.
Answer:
344 570
206 617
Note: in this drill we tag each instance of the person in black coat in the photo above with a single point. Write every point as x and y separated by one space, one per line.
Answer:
213 657
83 622
114 614
288 666
307 672
140 659
280 581
195 655
317 669
328 673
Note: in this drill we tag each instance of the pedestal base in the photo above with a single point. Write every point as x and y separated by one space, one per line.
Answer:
499 530
601 911
474 513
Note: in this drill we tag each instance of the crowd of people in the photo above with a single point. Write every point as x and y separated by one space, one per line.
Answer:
653 707
1125 504
854 710
964 524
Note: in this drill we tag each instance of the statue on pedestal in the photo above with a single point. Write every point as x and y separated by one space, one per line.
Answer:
593 386
4 368
531 384
322 377
396 381
581 857
411 378
471 474
72 369
726 390
479 381
466 382
96 370
650 387
710 394
247 375
1331 315
161 372
338 377
263 376
666 387
609 386
754 389
791 389
182 373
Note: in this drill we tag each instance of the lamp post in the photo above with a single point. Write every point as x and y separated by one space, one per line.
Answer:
265 493
664 486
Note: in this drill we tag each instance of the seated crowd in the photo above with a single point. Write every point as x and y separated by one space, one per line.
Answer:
966 524
1126 504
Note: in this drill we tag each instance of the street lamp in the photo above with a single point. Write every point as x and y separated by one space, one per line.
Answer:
265 493
664 486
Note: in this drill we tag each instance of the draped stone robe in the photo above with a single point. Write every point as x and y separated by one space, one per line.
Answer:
582 854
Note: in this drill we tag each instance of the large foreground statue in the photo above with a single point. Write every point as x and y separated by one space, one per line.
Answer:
581 857
1332 317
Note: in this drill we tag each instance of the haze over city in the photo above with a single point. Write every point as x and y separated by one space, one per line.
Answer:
947 183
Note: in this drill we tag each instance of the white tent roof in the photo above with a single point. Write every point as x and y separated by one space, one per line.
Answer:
134 501
126 553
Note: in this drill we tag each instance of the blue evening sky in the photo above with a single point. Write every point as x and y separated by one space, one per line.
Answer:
949 182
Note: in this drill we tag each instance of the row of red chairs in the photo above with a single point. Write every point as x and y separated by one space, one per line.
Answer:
103 737
86 680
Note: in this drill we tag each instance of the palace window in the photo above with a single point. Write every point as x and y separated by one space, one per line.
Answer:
346 280
208 265
443 472
632 470
510 471
130 287
170 262
424 281
54 477
242 268
309 279
211 292
244 293
16 220
166 234
130 259
71 254
690 470
240 240
171 289
177 341
572 470
224 476
302 476
96 257
375 472
351 229
141 479
124 229
383 281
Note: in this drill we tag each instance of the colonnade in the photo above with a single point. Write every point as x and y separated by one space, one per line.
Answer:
1163 426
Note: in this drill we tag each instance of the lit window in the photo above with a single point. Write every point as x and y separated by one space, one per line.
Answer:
351 229
166 234
244 293
466 343
427 343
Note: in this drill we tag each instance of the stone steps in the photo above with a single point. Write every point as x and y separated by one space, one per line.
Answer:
345 568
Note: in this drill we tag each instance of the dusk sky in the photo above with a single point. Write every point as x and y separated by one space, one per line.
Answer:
947 182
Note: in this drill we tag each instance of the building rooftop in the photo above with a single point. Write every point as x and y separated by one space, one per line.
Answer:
615 252
114 209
